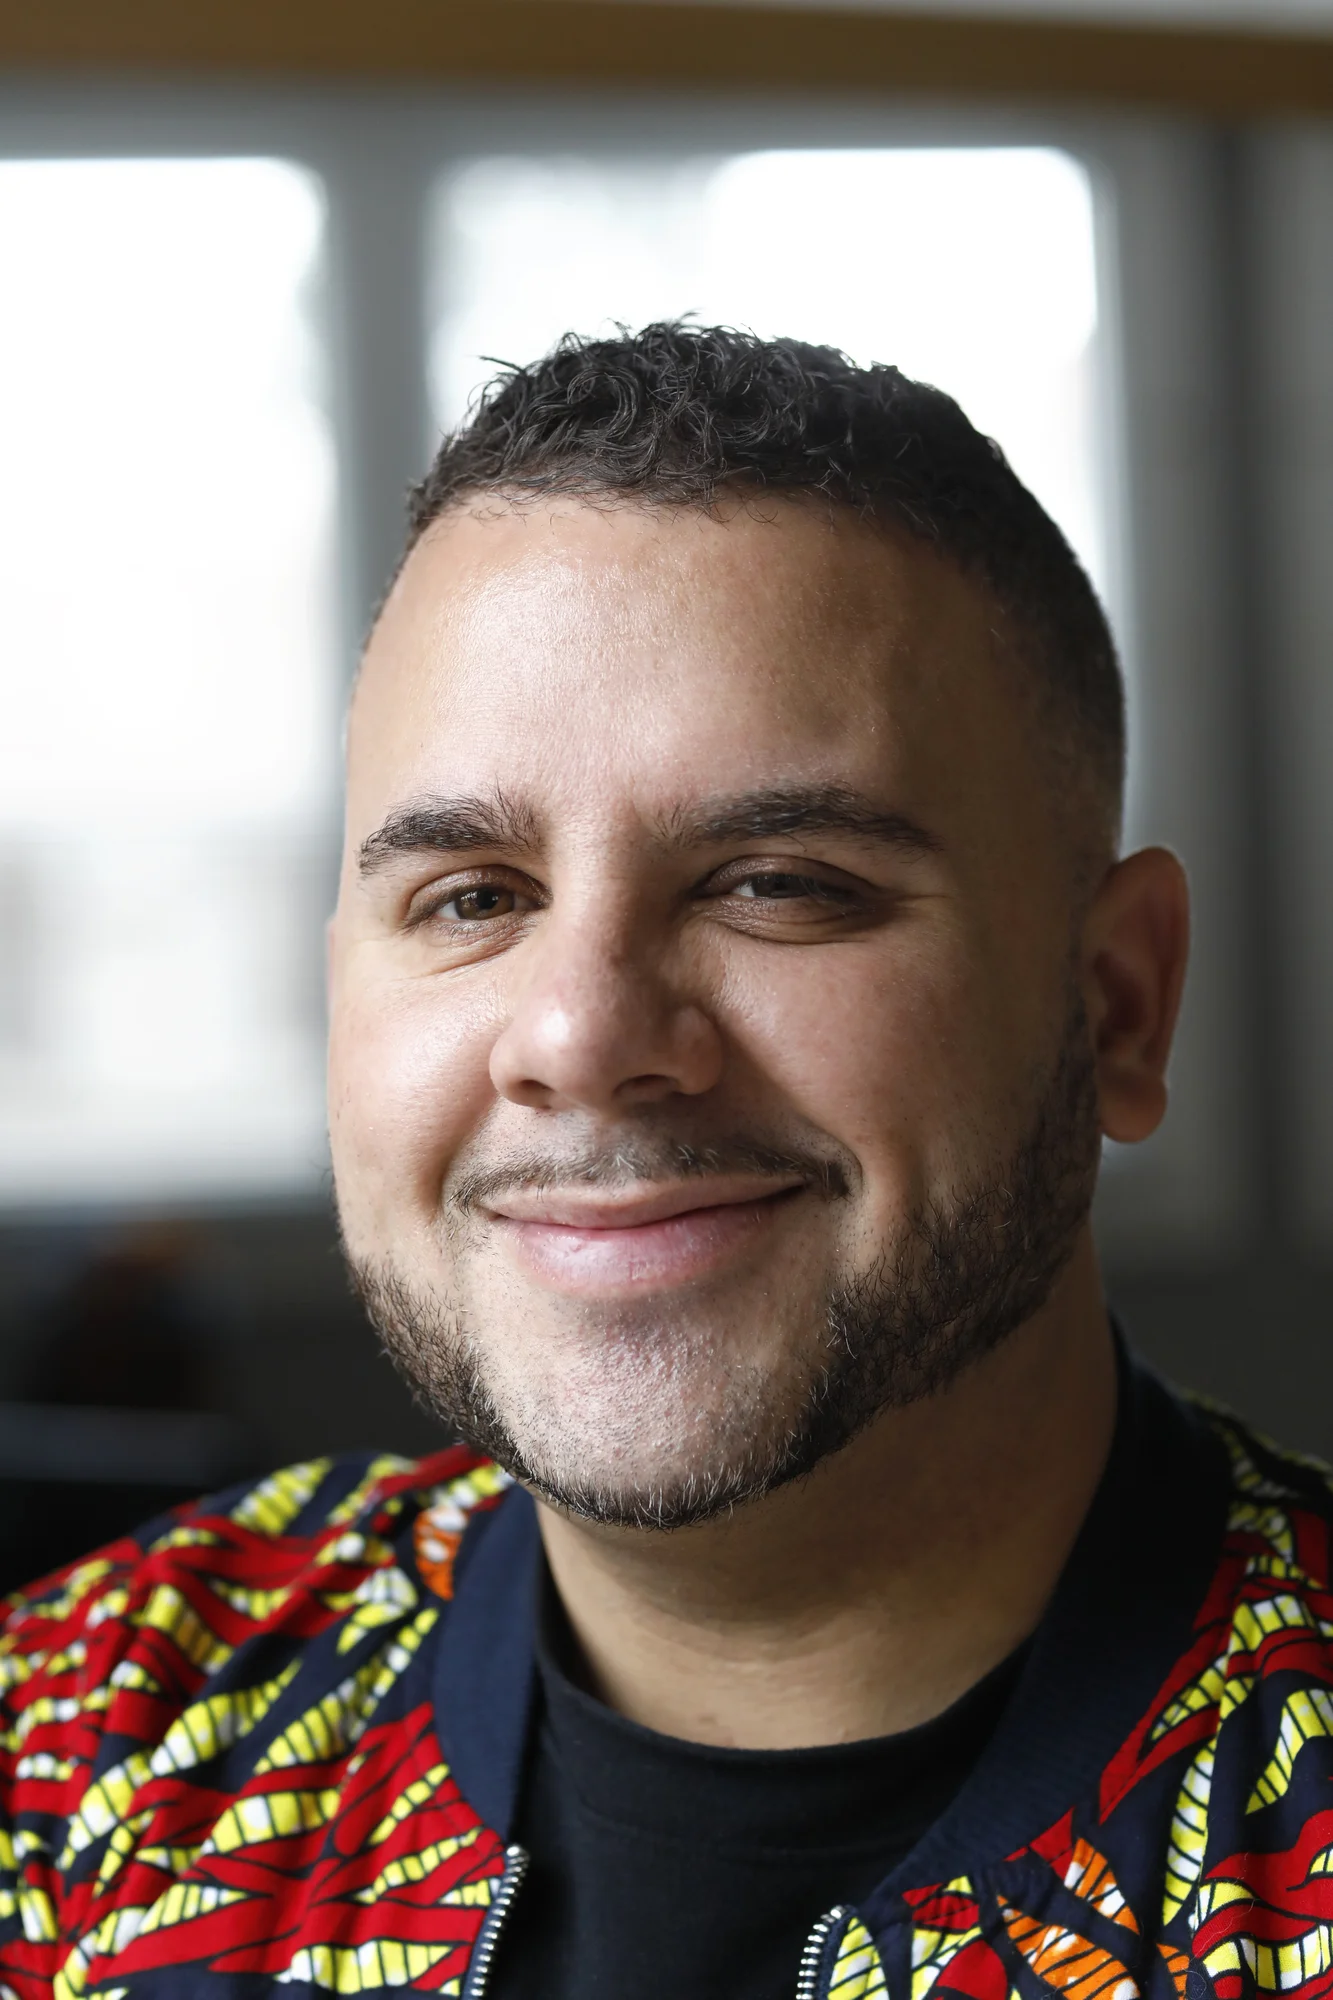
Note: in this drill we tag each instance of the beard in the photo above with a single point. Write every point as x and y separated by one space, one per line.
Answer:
961 1274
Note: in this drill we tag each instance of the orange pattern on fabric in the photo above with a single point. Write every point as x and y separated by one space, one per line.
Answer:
1067 1961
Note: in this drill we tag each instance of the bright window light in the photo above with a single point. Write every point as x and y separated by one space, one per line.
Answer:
972 268
167 671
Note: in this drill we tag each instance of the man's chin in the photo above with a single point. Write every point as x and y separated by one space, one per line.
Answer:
618 1449
624 1420
645 1491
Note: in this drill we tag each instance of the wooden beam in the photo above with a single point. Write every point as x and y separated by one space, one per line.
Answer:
664 44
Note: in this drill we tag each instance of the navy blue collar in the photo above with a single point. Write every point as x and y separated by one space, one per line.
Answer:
1121 1615
486 1667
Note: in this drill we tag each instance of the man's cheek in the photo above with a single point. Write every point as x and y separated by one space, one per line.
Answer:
876 1070
416 1083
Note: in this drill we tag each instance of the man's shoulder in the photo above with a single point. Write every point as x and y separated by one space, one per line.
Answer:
188 1716
1266 1621
329 1549
1282 1496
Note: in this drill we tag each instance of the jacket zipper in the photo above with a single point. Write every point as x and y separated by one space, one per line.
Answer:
516 1867
807 1979
479 1972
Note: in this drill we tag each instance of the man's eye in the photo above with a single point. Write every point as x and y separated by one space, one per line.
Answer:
474 906
779 886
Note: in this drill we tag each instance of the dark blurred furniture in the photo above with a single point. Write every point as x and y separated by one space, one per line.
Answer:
75 1476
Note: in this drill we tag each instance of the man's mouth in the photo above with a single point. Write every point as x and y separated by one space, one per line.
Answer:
643 1237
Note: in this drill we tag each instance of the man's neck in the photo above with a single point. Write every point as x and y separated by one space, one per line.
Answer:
867 1598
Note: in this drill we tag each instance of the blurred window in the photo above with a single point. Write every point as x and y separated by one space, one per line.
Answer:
971 267
167 678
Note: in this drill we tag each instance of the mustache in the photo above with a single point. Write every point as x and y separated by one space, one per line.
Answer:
632 1161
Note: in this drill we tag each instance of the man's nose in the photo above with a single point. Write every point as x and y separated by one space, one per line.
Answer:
599 1025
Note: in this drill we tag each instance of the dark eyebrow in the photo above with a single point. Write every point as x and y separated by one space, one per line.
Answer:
796 810
461 825
447 826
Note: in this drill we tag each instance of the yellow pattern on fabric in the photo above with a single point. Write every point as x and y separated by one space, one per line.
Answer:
469 1895
186 1536
45 1765
211 1725
1245 1474
121 1845
271 1506
184 1901
37 1715
207 1727
419 1793
134 1676
933 1949
1284 1612
1307 1714
379 1599
335 1721
387 1466
68 1658
37 1915
262 1816
75 1588
169 1610
109 1608
1274 1968
484 1482
1189 1822
15 1670
858 1971
354 1547
72 1976
198 1734
1203 1692
416 1867
362 1968
170 1860
257 1605
104 1805
1189 1831
1270 1522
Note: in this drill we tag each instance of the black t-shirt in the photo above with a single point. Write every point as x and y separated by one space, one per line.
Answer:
665 1870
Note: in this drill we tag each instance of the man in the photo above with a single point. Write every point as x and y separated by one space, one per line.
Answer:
732 980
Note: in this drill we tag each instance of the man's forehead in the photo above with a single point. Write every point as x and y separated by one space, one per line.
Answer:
557 646
489 589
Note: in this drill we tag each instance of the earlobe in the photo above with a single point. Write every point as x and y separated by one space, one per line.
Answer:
1135 947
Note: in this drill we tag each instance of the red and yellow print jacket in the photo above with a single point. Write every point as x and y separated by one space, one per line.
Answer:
273 1745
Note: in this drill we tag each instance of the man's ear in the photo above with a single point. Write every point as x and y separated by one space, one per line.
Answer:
1135 946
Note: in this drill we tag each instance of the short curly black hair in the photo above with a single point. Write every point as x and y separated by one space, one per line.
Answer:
677 413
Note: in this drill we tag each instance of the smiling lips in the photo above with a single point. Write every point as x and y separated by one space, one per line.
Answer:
649 1238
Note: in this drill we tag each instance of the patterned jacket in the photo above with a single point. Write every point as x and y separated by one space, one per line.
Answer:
276 1741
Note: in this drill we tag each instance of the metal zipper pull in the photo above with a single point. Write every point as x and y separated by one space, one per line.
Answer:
807 1979
483 1952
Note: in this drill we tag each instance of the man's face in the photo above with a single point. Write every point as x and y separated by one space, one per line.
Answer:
702 1035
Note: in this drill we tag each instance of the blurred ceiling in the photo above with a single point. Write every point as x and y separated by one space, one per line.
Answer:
1267 16
1220 58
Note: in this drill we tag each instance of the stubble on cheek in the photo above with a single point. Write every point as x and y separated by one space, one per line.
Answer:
656 1398
665 1411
